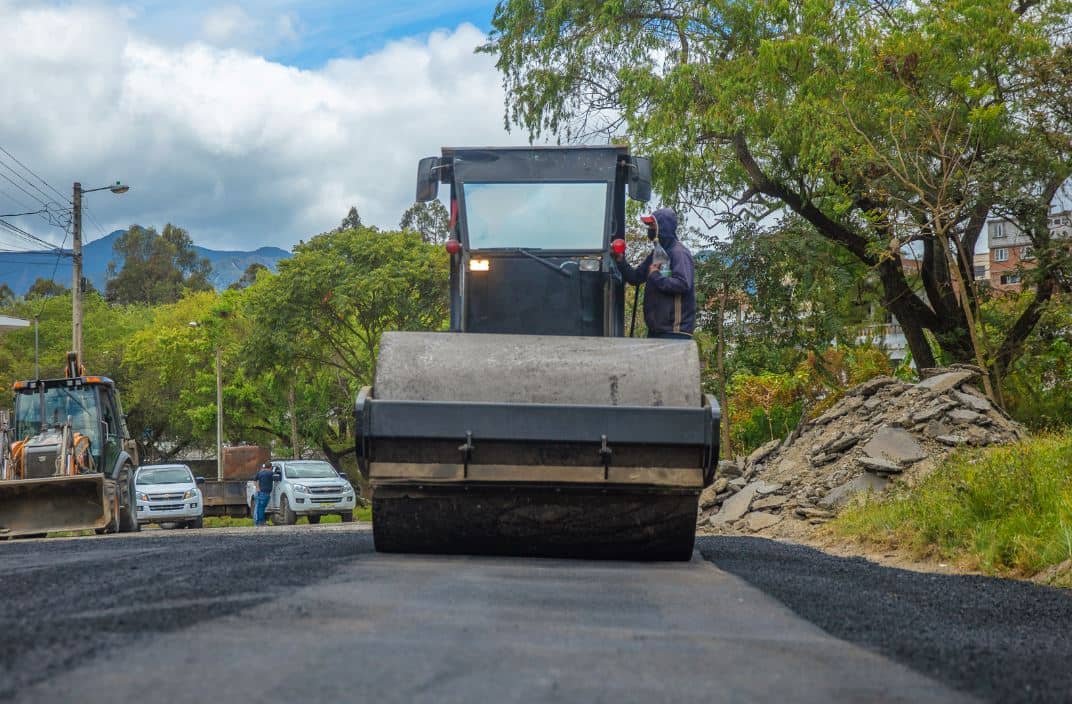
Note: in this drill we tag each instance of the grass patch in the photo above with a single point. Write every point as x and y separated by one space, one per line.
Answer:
1001 510
361 513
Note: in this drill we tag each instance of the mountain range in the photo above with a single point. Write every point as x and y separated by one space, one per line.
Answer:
20 269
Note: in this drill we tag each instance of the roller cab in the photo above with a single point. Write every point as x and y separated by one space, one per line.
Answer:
533 427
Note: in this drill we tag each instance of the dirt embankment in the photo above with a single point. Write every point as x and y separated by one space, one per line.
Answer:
881 432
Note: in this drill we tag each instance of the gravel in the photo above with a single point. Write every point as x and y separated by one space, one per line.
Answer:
999 640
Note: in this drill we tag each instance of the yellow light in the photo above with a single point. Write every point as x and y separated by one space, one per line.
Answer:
479 265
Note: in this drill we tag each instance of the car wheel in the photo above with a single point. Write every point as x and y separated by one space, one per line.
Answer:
313 520
198 522
289 517
347 516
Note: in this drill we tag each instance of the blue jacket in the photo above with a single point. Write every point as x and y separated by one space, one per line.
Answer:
670 301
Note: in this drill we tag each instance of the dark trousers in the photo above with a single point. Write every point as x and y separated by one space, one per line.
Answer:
670 335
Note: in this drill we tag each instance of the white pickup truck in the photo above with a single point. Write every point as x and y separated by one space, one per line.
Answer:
310 488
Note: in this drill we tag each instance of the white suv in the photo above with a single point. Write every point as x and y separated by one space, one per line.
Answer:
310 488
168 493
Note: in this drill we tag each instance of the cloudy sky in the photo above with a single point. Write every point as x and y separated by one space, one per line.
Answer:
249 123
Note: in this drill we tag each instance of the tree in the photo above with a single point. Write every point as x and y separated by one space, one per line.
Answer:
6 294
318 321
352 221
46 288
249 276
430 220
880 125
155 267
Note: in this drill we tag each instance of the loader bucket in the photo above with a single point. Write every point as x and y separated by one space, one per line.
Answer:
37 506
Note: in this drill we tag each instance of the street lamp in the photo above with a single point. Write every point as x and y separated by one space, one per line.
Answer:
219 410
76 256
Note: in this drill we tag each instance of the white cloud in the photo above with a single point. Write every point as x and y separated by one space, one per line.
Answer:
239 150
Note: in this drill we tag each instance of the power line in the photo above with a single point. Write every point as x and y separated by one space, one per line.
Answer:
23 234
11 156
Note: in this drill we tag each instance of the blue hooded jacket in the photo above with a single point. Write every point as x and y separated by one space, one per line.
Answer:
670 301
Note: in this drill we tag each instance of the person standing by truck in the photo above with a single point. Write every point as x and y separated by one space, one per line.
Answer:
265 478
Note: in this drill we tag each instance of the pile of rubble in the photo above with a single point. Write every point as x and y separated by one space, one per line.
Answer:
882 431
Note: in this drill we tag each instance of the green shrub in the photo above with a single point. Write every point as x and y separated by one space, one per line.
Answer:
1003 510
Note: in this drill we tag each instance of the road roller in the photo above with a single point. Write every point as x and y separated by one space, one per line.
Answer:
534 426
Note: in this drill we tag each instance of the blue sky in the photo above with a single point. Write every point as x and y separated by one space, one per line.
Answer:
247 123
315 32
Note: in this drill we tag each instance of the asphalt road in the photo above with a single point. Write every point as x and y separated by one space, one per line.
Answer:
313 613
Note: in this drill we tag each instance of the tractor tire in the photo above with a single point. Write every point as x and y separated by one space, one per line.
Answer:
313 520
128 518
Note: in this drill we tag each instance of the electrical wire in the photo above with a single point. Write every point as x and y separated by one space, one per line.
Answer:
11 156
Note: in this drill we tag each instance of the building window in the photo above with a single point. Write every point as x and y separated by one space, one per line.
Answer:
1001 254
980 272
1025 253
1010 279
997 229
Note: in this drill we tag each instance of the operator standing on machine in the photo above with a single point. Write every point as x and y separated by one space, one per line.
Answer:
670 299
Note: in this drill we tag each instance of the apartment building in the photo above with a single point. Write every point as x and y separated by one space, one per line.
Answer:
1010 249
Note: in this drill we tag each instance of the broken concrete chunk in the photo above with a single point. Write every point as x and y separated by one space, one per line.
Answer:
738 483
895 445
763 451
868 388
758 520
840 443
944 382
952 440
976 403
821 459
729 468
872 464
769 502
936 428
932 411
843 494
963 416
736 506
833 414
764 488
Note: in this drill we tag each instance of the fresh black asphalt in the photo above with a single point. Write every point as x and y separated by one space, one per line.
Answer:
1001 640
98 602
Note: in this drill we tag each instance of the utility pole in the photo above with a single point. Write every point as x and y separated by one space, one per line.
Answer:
76 263
219 418
76 272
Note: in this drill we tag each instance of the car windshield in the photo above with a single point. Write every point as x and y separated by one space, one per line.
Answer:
310 470
552 216
165 475
60 402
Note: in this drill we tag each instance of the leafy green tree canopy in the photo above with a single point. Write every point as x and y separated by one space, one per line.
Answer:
880 125
45 288
155 267
431 220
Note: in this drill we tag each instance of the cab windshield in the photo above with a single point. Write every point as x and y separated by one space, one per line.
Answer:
310 470
60 402
555 216
165 475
